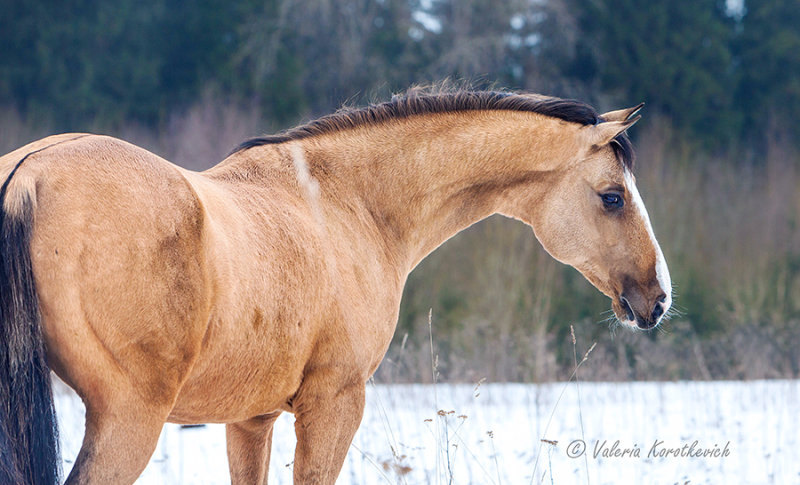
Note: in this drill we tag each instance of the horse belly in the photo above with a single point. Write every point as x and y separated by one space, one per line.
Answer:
243 373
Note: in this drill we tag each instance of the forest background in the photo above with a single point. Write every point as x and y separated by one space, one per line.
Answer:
718 150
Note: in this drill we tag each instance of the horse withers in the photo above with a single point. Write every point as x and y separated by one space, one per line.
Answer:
272 281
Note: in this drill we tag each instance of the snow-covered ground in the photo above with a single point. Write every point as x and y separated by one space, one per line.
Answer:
420 434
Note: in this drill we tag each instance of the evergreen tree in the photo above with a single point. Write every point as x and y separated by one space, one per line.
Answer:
89 63
675 55
768 48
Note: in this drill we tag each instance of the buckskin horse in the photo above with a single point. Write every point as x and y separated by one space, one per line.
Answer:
272 281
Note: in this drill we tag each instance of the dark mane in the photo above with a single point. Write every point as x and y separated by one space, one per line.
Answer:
419 101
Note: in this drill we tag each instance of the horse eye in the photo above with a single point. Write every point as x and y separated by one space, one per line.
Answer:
612 201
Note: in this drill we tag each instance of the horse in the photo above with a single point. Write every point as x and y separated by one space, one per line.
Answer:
272 281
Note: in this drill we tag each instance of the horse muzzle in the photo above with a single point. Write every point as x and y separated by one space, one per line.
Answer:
637 310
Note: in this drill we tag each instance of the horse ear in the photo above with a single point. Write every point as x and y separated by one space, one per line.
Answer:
601 134
621 114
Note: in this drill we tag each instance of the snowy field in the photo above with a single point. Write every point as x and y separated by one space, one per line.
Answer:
419 434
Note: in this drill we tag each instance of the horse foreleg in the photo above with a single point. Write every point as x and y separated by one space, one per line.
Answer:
249 443
325 425
118 443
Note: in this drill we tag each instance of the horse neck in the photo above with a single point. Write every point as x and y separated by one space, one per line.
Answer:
424 179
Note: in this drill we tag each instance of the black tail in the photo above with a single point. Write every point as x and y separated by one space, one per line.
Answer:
29 451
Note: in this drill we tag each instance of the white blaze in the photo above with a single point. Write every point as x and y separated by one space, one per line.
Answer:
662 273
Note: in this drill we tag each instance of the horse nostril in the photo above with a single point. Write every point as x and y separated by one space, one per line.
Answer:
627 307
657 311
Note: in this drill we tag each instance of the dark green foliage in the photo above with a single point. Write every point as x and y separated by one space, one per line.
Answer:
768 48
89 63
674 55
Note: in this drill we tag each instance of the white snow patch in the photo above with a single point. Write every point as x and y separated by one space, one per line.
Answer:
757 420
